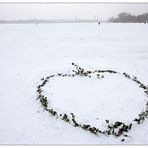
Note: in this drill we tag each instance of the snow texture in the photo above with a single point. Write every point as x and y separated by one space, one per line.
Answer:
29 52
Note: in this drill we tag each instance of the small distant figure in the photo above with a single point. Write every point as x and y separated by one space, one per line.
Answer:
145 22
98 23
36 23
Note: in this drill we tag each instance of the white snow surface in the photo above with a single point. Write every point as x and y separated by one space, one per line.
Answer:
29 52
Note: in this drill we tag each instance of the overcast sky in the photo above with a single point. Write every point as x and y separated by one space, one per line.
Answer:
68 11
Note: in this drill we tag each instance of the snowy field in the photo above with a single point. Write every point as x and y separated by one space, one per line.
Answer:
29 52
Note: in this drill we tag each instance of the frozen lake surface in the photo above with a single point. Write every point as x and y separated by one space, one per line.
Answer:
29 52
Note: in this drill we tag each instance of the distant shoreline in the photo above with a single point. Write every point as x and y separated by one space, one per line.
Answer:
56 21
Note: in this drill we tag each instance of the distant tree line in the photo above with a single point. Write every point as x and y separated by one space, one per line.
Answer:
125 17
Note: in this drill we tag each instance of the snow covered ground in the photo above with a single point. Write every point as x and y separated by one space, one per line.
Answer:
29 52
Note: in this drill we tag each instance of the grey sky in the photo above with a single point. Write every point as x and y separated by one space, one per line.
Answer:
55 11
